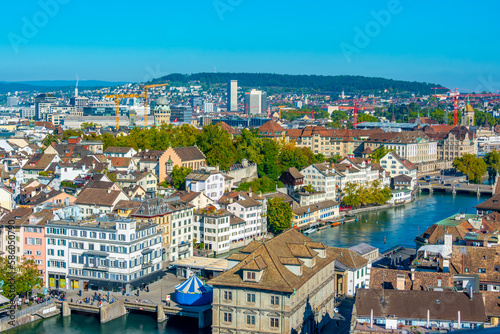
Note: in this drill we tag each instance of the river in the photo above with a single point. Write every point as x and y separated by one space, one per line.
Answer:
398 225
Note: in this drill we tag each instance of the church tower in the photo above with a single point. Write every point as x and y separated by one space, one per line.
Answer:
468 115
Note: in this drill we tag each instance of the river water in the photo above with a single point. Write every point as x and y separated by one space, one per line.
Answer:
398 226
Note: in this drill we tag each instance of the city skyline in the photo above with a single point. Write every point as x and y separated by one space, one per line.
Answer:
404 40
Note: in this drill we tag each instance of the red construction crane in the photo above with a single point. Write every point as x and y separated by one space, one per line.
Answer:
436 88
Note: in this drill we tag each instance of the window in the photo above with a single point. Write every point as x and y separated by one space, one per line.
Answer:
250 276
251 320
466 270
275 322
228 295
228 317
275 300
250 297
481 271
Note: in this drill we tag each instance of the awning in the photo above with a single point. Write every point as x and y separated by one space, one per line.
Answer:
95 253
147 251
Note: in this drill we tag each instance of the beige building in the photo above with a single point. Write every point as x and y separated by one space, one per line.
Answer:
329 142
415 146
452 142
162 112
282 285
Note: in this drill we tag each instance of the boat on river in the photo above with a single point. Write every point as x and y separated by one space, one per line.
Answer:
310 231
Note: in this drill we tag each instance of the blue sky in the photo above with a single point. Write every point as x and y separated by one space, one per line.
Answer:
452 43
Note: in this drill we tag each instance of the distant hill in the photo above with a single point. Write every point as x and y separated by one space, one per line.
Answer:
53 85
325 83
65 83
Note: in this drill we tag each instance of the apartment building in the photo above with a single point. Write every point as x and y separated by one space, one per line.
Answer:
322 178
182 227
283 285
310 214
213 228
452 142
396 165
415 146
147 180
209 182
329 142
252 211
111 253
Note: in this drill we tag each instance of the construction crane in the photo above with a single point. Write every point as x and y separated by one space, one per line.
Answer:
280 109
117 98
436 88
145 92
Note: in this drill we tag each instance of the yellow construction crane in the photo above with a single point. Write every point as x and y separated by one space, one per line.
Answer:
280 109
146 100
117 98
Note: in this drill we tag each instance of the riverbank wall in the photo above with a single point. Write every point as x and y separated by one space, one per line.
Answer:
18 318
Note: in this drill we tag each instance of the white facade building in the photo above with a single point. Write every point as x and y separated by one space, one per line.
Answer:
213 229
113 253
211 183
182 227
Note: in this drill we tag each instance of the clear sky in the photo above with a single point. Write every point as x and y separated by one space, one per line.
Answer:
452 43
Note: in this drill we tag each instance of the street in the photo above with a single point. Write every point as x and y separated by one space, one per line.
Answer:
341 322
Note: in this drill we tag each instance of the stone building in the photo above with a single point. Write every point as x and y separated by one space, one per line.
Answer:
162 112
282 285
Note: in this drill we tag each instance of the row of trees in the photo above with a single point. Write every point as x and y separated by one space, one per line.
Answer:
356 195
475 168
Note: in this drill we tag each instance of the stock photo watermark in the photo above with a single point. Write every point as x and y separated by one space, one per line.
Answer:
32 25
223 6
153 73
487 84
364 35
11 271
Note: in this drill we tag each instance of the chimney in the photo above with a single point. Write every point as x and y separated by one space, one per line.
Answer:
471 295
439 281
412 274
428 318
495 217
371 318
109 190
459 320
400 285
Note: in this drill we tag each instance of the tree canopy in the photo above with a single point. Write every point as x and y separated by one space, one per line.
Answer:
357 195
27 277
279 215
474 168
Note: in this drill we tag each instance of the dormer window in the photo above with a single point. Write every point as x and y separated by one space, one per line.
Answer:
250 276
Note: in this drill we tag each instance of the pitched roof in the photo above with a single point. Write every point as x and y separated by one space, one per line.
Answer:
491 204
271 126
228 128
387 279
275 276
294 172
120 162
116 150
189 153
40 161
411 304
94 196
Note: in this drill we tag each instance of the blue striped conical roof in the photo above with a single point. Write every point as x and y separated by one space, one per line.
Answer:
193 285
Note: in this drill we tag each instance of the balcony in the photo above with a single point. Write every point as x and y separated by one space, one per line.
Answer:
147 265
97 268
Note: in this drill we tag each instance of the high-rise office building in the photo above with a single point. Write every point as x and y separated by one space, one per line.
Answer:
12 101
181 115
232 95
43 102
255 102
208 107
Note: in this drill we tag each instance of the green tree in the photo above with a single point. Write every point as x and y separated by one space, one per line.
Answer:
474 168
86 125
379 153
179 175
49 139
335 158
337 117
217 146
26 276
261 185
367 118
269 166
492 160
279 215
